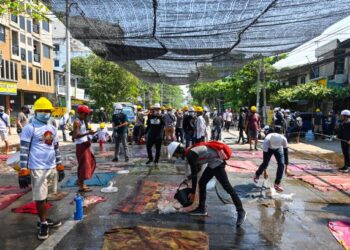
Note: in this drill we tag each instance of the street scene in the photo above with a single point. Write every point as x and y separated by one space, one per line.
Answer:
174 124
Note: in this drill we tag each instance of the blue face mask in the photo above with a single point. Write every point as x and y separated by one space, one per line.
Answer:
1 112
43 117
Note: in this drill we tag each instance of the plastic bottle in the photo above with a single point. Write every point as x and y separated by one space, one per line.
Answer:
78 215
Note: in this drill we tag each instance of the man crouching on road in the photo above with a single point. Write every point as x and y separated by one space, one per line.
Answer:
198 156
40 162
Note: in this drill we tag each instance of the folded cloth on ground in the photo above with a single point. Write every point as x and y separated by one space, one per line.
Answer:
9 194
326 183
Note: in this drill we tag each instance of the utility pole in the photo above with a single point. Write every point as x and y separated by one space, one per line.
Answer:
264 91
258 87
68 66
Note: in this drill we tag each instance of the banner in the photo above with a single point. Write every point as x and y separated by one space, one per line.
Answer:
8 88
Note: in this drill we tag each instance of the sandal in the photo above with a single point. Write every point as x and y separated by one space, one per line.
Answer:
84 190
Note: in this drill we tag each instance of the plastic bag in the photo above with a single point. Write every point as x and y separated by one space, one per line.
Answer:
110 188
279 196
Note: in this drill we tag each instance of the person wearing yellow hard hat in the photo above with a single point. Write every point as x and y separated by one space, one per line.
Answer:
139 128
169 129
40 162
64 123
200 126
185 109
317 123
253 127
102 135
189 126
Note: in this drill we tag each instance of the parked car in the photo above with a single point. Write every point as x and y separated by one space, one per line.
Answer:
130 114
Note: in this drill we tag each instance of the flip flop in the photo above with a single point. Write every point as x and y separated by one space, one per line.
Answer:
85 190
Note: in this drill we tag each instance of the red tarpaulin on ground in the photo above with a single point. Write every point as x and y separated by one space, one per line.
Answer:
303 169
341 231
241 166
29 208
143 237
326 183
9 194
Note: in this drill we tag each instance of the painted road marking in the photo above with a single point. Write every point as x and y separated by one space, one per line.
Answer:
56 237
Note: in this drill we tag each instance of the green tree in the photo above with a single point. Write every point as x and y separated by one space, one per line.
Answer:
35 10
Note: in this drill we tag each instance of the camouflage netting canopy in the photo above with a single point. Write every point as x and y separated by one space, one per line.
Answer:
184 41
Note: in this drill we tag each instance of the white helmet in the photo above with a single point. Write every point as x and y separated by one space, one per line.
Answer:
345 112
172 148
205 109
102 108
156 106
287 111
118 106
191 109
276 109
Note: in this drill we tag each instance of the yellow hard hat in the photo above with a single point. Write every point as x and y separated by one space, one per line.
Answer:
185 108
72 112
318 110
102 125
89 127
162 108
253 108
43 104
169 108
139 107
198 109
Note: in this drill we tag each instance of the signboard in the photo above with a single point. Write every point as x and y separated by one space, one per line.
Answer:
8 88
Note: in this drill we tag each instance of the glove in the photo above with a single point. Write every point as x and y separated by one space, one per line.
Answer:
60 171
24 178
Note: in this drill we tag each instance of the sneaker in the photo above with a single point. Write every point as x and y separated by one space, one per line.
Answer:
241 217
256 178
278 188
344 169
149 162
199 212
51 223
43 233
115 160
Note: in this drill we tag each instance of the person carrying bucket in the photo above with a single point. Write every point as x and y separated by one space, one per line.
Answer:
214 155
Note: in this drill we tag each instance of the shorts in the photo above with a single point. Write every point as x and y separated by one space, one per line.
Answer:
41 180
4 135
169 131
252 134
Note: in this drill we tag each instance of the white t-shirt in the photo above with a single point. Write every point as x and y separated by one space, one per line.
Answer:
4 125
229 117
200 127
65 119
102 134
82 130
279 141
42 153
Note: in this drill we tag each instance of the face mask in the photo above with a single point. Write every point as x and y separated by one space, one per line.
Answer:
157 112
43 117
1 112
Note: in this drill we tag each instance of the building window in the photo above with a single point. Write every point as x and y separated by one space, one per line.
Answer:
49 78
302 79
2 70
30 56
16 72
24 72
12 71
2 33
56 47
29 41
36 26
46 51
57 63
46 25
43 78
37 76
30 73
29 26
23 54
22 22
14 18
36 51
15 43
7 70
22 38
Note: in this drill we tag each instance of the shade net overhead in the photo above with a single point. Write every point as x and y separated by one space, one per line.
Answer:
185 41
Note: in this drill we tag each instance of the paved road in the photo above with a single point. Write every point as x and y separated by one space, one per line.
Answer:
299 224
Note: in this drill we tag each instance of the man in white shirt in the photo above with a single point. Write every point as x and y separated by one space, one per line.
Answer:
274 144
65 120
5 129
200 125
228 120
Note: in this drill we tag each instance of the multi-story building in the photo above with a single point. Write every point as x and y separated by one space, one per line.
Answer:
26 71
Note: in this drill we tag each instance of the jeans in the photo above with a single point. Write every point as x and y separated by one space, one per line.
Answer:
279 156
227 126
221 176
189 138
216 133
121 138
158 143
179 134
241 135
63 128
346 155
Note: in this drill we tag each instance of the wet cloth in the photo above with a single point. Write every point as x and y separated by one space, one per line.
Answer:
98 179
326 183
341 231
143 237
9 194
86 161
29 208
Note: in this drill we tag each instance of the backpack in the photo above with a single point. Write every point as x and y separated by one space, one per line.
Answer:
223 150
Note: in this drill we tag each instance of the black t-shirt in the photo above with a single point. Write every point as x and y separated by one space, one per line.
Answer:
188 124
155 125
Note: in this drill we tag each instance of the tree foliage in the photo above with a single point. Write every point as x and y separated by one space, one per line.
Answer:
35 10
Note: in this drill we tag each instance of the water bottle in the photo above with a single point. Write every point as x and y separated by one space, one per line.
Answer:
78 215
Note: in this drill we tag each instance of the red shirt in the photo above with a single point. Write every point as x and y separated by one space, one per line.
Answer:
254 122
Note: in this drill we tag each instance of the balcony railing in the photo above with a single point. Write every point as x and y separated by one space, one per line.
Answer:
36 28
15 50
37 58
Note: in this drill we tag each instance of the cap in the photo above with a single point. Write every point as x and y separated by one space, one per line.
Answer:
2 108
156 106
